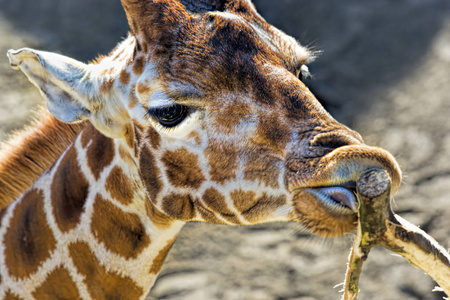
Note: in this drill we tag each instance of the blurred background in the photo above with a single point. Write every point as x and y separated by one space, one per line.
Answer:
384 71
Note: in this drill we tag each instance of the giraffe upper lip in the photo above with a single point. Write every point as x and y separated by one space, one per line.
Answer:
337 198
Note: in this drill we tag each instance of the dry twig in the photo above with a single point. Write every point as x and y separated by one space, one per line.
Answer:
378 225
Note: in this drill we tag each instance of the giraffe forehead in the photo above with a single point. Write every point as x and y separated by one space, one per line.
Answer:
216 54
223 51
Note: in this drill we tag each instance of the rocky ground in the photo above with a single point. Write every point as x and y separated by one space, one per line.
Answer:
384 71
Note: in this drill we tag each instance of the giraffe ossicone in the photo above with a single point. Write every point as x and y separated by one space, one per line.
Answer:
198 115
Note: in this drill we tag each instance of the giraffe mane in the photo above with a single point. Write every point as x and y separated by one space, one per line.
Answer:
29 152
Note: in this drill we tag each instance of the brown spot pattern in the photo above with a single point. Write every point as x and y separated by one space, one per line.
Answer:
182 168
132 98
159 259
216 202
126 156
142 88
101 284
101 151
86 137
138 66
120 186
232 115
2 214
222 161
180 207
243 200
69 191
256 210
128 133
154 137
29 240
150 174
272 133
208 215
11 296
106 86
58 285
106 71
158 219
124 77
122 233
196 137
262 167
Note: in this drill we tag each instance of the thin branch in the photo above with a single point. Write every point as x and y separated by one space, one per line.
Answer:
379 226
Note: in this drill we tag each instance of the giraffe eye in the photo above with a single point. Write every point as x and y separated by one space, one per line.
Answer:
170 116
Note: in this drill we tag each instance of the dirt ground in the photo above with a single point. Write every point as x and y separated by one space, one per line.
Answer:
384 71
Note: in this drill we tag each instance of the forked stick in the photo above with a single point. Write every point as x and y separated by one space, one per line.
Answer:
378 225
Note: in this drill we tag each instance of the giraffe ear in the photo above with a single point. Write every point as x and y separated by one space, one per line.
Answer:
62 81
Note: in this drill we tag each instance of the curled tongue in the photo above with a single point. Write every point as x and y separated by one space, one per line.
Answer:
341 195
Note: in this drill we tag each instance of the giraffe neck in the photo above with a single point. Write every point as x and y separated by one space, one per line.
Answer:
85 227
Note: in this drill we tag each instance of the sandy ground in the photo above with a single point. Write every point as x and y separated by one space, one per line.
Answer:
384 71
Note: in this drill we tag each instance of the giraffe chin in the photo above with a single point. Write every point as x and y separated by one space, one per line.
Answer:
326 211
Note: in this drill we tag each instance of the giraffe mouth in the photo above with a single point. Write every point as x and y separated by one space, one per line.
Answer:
339 199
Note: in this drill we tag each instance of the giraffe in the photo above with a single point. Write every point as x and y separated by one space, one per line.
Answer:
199 115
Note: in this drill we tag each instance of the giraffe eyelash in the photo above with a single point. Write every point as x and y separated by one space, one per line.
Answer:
169 116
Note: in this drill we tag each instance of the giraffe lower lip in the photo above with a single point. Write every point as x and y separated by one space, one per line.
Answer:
336 198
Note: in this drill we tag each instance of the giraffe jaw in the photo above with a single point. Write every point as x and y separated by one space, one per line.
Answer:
328 210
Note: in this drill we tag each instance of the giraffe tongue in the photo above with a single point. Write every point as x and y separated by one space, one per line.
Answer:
341 196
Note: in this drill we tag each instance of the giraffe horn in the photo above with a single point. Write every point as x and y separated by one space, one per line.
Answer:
147 15
150 19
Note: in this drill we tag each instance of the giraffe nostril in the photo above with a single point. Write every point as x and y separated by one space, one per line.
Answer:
330 142
324 143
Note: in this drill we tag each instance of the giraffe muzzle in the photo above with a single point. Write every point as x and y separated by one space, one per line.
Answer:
324 188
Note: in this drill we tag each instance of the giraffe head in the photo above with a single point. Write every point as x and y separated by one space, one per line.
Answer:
207 97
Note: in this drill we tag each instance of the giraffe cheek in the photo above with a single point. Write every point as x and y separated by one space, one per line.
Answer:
263 168
272 133
222 160
182 168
